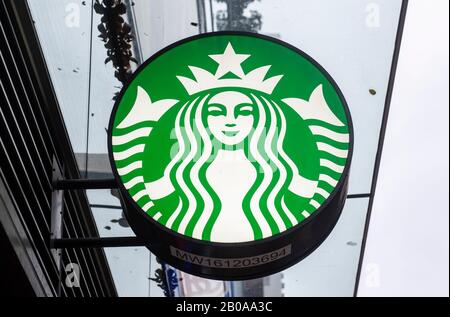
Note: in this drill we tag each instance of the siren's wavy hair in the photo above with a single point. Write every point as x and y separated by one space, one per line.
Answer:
199 206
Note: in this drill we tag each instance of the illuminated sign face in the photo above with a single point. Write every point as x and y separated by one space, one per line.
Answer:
232 153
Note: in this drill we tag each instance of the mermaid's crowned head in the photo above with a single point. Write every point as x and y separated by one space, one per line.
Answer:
231 108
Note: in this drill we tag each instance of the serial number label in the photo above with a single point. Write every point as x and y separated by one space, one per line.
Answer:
231 263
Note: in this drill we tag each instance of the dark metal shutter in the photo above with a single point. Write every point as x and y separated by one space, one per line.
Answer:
32 137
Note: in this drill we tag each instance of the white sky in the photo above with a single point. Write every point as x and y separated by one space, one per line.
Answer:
407 253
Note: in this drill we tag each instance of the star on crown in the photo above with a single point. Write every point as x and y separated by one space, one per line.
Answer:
229 62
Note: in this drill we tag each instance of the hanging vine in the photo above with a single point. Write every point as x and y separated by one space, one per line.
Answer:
117 36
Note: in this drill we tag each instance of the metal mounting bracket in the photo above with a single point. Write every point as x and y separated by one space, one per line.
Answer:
56 224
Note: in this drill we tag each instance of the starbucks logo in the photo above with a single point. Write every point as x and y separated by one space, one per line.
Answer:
230 138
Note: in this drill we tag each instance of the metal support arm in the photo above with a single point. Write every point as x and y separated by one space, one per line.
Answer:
97 242
111 242
69 184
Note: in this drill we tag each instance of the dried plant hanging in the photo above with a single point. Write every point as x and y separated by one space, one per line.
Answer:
117 36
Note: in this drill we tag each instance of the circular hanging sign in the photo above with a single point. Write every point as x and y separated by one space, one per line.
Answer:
232 153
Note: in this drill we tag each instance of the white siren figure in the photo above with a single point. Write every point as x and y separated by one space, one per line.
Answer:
226 132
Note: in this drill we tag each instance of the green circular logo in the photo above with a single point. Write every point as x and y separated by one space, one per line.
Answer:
230 138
